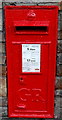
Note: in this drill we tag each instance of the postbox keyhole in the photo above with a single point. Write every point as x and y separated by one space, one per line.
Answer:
21 78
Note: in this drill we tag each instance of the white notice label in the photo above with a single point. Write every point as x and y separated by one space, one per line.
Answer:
31 57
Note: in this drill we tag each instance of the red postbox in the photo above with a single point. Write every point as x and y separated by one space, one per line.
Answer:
31 40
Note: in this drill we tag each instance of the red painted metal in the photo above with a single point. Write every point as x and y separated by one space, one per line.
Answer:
31 94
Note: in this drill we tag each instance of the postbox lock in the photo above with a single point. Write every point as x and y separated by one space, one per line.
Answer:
21 78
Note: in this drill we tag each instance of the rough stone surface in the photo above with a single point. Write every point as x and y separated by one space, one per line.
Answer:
59 50
33 1
2 70
58 93
59 70
3 86
2 47
58 82
0 19
0 36
21 119
60 35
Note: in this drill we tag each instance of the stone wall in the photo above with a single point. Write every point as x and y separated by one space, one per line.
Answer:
3 71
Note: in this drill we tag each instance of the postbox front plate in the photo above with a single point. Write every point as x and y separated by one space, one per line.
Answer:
31 39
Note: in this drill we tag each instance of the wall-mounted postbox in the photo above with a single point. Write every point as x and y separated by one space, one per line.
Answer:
31 39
